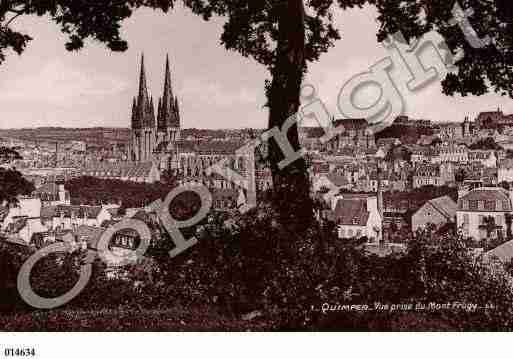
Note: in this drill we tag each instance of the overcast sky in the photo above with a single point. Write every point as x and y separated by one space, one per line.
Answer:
48 86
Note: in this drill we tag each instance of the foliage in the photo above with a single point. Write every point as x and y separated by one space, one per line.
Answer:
486 144
406 134
13 184
285 36
398 152
8 155
55 274
94 191
11 259
417 197
251 29
255 268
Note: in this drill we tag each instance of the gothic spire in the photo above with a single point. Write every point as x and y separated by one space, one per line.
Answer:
135 119
168 91
143 100
168 117
161 120
151 117
177 113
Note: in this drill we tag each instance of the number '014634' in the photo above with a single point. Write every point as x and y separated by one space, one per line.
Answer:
19 352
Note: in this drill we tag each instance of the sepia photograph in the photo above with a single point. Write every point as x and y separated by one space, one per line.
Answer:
256 166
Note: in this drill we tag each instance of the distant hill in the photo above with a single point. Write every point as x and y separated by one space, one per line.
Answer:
110 135
94 135
407 133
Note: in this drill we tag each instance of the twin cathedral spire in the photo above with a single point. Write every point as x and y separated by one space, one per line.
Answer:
152 137
143 109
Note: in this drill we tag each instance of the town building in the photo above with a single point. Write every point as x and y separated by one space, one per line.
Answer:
437 212
486 157
150 137
358 216
355 133
143 172
505 171
52 194
484 212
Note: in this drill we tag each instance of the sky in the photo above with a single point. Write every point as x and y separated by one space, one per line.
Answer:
49 86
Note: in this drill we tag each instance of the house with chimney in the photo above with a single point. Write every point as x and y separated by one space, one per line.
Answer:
358 216
484 212
23 219
437 212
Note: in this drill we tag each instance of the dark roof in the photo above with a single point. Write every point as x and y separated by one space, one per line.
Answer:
489 113
351 212
78 211
491 195
209 147
16 241
118 169
352 124
445 205
337 179
487 195
503 253
312 132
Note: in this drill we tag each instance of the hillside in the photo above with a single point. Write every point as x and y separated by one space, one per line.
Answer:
94 135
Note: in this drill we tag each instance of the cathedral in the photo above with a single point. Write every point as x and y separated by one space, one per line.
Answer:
156 144
151 139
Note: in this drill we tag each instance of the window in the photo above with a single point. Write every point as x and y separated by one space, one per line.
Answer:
472 205
465 221
489 205
350 233
342 232
481 219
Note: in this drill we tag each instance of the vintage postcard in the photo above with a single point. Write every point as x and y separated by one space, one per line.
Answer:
255 166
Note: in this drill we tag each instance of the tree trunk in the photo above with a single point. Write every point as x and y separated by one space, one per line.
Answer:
291 184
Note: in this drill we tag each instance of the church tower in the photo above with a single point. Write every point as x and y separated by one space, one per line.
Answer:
143 122
153 140
168 113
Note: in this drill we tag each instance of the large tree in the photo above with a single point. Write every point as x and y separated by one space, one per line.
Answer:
12 182
284 35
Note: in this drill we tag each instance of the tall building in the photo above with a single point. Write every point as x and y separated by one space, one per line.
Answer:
151 136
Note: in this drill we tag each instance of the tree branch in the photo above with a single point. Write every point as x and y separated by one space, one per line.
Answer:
12 19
